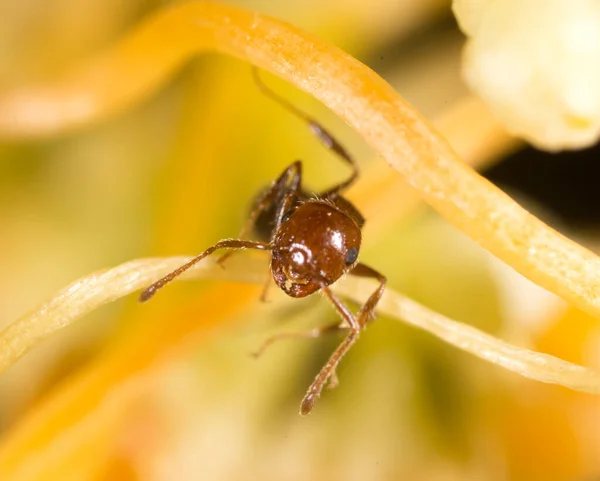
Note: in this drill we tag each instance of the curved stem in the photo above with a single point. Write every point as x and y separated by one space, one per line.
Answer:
148 56
91 292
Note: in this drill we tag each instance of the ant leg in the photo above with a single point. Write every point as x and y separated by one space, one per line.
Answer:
367 312
224 244
333 381
356 325
322 134
314 391
312 334
287 182
328 371
265 291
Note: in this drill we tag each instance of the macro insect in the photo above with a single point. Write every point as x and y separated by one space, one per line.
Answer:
314 239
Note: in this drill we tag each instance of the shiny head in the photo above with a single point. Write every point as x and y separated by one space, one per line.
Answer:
313 248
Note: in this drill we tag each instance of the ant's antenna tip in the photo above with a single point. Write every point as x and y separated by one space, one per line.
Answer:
308 403
146 294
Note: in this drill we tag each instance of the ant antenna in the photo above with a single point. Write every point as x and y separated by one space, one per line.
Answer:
224 244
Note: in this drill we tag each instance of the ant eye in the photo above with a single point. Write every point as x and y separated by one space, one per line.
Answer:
287 215
351 256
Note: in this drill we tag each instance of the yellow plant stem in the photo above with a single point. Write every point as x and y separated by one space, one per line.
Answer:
471 130
144 59
95 403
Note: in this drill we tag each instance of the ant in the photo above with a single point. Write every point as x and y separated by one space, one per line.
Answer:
314 239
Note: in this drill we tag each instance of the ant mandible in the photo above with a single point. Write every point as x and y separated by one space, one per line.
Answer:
314 239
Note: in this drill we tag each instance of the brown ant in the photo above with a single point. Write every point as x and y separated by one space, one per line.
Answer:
314 240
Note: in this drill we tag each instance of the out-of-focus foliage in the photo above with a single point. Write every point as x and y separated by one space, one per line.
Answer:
537 64
177 173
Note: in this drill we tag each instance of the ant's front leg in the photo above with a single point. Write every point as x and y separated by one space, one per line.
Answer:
328 371
356 325
367 311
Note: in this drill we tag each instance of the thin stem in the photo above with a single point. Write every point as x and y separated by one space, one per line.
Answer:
130 71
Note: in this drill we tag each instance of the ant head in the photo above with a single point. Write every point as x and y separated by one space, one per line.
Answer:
314 247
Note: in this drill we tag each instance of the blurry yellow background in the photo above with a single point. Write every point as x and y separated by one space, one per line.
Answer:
174 175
